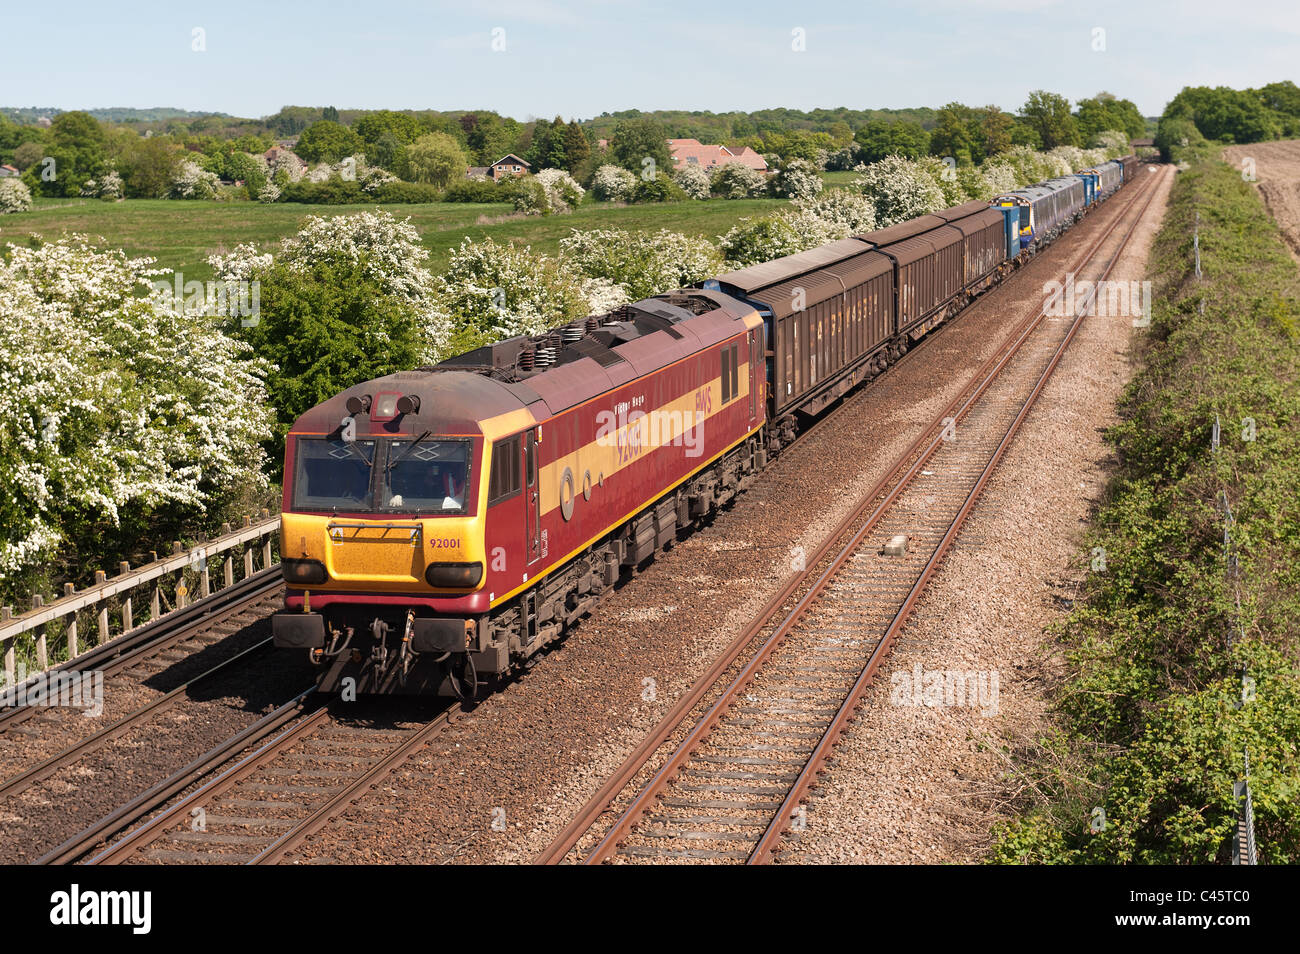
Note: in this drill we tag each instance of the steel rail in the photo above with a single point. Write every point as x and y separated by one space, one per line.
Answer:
153 637
68 756
134 810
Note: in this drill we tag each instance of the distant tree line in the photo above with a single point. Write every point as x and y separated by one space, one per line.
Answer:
161 152
1227 115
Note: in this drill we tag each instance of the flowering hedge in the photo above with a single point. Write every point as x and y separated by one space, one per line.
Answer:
641 263
117 405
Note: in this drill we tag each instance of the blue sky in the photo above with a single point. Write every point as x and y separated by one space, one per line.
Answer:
581 57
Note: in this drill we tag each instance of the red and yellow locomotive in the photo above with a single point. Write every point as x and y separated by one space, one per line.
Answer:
443 524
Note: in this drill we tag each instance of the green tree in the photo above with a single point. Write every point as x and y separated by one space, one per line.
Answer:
374 126
490 137
577 151
330 113
954 133
995 130
327 327
637 140
149 167
435 158
1104 111
76 152
327 141
1049 116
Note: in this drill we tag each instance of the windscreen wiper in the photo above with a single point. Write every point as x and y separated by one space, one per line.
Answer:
407 453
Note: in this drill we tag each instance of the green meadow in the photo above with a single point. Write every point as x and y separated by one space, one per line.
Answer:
181 234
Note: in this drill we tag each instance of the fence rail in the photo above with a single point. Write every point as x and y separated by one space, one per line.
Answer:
165 582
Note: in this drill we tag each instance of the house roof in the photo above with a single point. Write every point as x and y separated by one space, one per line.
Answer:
693 152
515 158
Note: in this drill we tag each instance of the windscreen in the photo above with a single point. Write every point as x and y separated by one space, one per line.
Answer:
424 475
331 475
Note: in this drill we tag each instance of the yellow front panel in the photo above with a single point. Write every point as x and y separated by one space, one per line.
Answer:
386 554
379 553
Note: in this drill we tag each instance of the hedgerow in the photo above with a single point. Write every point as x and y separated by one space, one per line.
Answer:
1153 716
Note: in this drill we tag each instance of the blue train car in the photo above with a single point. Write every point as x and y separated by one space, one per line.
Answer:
1011 227
1089 186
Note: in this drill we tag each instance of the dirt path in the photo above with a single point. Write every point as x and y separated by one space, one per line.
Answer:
1276 167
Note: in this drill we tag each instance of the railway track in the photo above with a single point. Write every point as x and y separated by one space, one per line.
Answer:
742 768
168 641
152 647
269 803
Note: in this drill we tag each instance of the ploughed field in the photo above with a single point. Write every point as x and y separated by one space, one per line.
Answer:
1277 175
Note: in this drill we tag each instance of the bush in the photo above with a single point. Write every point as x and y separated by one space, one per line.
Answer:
659 189
797 179
480 190
530 197
14 196
562 190
194 182
390 248
1153 714
899 189
841 208
735 180
410 193
613 184
325 326
693 181
762 239
125 417
642 264
503 290
332 191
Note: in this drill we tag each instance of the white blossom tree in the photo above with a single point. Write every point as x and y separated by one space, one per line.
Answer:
113 401
692 180
900 189
642 263
798 179
192 181
735 180
613 184
14 196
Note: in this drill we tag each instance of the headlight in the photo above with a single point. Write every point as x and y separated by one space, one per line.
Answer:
303 572
454 574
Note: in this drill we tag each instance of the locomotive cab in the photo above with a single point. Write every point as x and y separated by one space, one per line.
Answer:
382 539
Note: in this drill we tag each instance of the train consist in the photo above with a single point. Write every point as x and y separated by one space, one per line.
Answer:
440 526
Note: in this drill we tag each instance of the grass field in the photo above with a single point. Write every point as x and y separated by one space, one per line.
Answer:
180 235
842 177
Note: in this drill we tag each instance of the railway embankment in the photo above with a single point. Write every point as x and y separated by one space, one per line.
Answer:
1176 716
